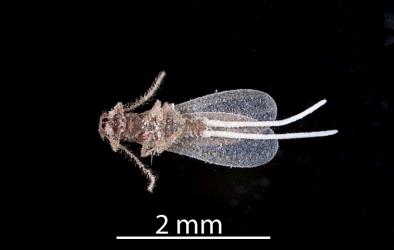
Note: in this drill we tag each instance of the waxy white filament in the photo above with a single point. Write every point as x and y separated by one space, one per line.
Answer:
251 136
277 123
237 135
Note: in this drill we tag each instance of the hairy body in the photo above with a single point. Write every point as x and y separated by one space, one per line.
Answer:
229 128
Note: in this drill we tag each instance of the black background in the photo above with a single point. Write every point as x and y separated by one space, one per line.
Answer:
319 192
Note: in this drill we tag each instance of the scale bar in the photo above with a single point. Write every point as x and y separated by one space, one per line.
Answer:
193 237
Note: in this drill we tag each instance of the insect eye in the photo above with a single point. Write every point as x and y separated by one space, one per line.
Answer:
103 123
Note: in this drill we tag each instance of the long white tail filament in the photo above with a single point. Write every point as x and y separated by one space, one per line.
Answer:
251 136
237 124
237 135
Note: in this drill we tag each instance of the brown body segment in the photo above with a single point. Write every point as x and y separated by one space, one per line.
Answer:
159 128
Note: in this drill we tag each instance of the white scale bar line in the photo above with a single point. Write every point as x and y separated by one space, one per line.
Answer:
193 237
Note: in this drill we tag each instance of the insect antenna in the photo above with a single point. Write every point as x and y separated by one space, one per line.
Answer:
146 171
151 91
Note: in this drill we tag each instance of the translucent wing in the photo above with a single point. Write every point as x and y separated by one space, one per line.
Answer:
247 102
236 105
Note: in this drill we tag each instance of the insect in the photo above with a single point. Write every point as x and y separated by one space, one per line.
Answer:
229 128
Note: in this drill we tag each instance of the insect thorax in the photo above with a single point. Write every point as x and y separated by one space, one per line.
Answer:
159 128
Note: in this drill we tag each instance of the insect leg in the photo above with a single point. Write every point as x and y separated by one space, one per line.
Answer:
147 172
151 91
